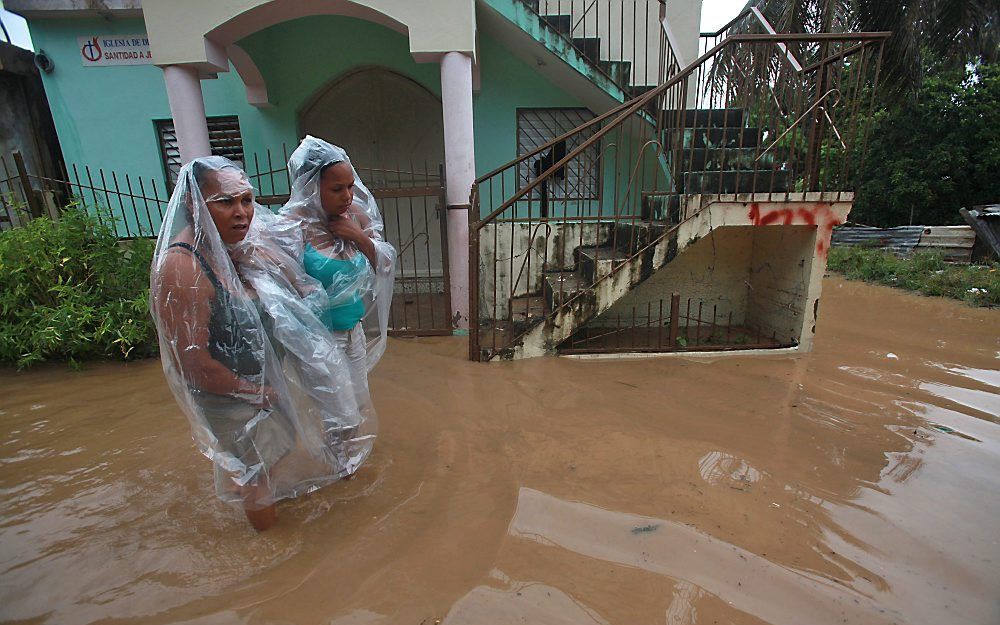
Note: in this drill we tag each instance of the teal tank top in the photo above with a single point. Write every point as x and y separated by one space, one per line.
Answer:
350 309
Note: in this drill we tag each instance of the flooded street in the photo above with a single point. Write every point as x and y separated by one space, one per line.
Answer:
858 484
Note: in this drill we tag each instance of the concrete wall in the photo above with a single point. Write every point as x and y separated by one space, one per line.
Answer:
25 121
104 115
684 21
507 252
781 267
185 31
714 271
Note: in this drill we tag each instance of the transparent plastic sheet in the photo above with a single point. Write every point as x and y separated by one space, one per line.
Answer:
267 390
305 228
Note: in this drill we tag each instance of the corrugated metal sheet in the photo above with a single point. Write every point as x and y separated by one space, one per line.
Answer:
954 242
988 211
901 240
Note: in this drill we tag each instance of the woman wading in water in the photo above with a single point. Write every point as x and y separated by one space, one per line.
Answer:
243 350
334 227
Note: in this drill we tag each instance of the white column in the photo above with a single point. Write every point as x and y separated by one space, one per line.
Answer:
188 111
460 171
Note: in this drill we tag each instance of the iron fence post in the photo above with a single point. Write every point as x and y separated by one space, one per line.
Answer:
474 275
675 311
29 194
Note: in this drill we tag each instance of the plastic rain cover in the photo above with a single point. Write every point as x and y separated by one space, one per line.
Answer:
262 382
318 224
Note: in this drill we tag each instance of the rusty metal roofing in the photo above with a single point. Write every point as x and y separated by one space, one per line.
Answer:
900 240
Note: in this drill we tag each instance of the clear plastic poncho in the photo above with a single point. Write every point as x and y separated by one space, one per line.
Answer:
305 228
267 392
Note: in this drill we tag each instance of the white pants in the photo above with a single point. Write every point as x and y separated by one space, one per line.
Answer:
351 345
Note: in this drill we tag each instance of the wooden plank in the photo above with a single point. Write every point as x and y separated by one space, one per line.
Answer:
953 242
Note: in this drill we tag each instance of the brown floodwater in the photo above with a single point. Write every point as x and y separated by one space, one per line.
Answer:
858 484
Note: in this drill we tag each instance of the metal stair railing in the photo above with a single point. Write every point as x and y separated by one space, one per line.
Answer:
611 196
623 41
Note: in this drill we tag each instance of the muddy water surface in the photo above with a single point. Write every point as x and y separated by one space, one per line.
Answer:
859 484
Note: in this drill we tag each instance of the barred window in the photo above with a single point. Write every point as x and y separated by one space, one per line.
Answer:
536 127
223 135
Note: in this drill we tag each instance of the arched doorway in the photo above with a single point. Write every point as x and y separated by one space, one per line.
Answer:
383 119
392 127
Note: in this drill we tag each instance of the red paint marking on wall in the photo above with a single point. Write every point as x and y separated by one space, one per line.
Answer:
807 216
819 214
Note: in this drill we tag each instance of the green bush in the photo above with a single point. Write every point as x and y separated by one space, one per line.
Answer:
924 272
70 291
932 155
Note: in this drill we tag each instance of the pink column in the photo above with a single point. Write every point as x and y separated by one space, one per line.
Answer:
188 111
460 170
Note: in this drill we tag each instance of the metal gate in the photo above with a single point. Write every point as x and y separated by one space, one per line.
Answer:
413 209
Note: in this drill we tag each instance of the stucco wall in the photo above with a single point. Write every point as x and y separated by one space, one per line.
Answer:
781 267
713 271
104 114
177 28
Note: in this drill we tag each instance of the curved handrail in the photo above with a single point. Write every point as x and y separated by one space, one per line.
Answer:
729 24
818 102
627 109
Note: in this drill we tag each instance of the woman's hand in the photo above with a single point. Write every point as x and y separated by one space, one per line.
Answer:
345 228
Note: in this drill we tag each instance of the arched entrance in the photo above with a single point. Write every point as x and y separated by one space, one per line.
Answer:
393 129
383 119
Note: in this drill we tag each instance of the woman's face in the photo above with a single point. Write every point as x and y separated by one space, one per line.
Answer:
336 189
230 202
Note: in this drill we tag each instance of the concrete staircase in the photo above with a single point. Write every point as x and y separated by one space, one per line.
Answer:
718 163
604 271
589 47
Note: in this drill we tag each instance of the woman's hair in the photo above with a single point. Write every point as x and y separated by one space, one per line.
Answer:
317 158
200 171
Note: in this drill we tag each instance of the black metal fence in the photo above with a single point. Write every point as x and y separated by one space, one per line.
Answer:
673 325
410 196
133 205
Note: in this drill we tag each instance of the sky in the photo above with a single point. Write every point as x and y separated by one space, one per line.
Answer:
17 28
714 13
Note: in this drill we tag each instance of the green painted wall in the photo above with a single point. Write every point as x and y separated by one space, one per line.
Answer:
104 116
295 69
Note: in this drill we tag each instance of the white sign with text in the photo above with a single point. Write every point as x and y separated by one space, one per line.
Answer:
106 50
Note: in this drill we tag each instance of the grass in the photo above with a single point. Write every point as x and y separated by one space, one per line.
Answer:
924 272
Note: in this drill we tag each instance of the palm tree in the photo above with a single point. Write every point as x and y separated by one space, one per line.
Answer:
928 35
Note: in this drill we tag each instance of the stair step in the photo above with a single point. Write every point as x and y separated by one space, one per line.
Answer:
589 47
664 207
593 263
737 181
526 309
702 137
727 158
562 24
561 286
632 237
619 71
705 118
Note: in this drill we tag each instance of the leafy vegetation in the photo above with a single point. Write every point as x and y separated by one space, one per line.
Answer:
931 156
925 273
70 291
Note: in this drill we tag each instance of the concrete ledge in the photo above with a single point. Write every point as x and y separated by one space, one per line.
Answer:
712 355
